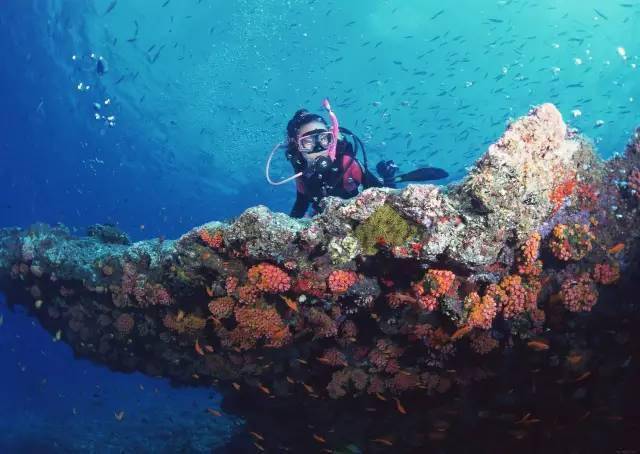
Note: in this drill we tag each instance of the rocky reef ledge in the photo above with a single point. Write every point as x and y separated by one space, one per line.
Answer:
362 327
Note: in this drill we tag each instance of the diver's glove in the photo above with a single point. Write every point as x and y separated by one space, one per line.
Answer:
387 170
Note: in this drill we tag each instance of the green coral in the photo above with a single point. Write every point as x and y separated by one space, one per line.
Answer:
385 224
343 250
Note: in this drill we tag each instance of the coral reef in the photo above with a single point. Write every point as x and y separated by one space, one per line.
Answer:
389 297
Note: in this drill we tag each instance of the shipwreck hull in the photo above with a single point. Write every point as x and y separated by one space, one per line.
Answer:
500 306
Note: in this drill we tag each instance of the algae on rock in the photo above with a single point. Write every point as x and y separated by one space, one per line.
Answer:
385 225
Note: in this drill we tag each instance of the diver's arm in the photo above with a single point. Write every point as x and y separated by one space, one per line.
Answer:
369 180
300 206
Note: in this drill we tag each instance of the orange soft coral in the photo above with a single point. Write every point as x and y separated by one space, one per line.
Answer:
606 274
579 294
482 310
528 263
339 281
571 242
259 323
510 295
214 240
438 282
248 294
269 278
222 307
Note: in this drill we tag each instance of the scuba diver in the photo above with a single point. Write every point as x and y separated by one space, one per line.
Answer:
325 162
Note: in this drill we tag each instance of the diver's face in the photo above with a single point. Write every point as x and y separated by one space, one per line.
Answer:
307 129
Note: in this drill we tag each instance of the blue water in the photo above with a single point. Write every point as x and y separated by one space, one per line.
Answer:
196 93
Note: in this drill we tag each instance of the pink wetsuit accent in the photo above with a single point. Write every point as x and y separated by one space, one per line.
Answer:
352 178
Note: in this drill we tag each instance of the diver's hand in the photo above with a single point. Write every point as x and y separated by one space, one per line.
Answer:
387 170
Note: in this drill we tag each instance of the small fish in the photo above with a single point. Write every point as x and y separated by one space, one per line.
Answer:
383 441
165 3
309 388
208 348
264 389
600 14
214 412
257 436
582 377
290 380
198 349
399 406
291 303
461 332
1 319
381 397
58 336
319 439
615 249
259 446
437 14
110 7
538 344
236 386
302 361
119 415
209 291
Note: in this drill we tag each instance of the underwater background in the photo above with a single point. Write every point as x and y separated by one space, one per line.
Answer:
158 116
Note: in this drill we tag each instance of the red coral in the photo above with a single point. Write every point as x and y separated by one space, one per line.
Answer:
579 294
333 357
528 263
269 278
339 281
482 310
231 284
310 284
222 307
510 295
259 323
561 192
428 302
438 282
606 274
214 241
248 294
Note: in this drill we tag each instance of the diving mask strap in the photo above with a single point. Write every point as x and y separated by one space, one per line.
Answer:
267 169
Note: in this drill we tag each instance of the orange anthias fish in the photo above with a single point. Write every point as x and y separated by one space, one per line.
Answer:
383 441
616 248
199 350
291 303
214 412
538 344
319 439
399 406
461 332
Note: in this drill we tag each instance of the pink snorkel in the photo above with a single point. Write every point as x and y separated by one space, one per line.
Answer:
335 129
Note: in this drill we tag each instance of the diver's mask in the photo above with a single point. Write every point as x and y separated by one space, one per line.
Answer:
313 142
